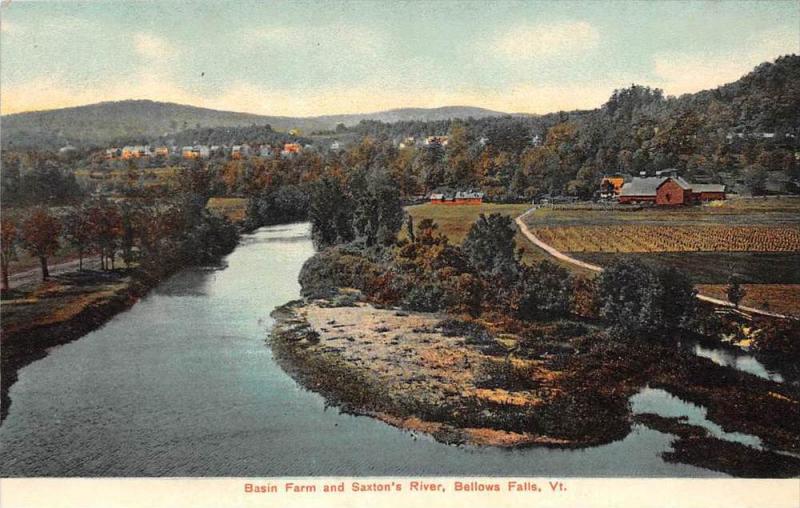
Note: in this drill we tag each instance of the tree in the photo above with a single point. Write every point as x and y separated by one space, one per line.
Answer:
8 250
678 298
490 245
378 212
460 171
735 291
755 178
638 299
40 236
77 232
410 229
330 212
105 226
545 292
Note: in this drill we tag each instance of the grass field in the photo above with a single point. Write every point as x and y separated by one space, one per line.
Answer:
781 298
456 220
235 209
714 267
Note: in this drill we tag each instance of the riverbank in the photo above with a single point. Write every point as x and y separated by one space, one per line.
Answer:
56 312
411 371
430 373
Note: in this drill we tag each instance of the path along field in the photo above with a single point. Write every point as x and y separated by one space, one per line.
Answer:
759 240
455 221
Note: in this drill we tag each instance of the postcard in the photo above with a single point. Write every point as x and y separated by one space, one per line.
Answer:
350 253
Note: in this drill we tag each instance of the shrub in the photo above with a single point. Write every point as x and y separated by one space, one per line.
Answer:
327 271
545 292
636 299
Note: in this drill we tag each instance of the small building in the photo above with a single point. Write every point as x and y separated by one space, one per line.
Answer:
432 141
408 142
291 149
240 151
459 198
335 146
265 151
195 152
135 151
611 185
161 151
468 198
113 153
708 191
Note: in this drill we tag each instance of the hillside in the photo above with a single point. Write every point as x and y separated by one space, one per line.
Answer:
128 121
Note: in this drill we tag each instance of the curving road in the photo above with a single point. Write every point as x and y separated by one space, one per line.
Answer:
595 268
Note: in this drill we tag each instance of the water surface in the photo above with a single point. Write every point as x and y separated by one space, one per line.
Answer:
182 384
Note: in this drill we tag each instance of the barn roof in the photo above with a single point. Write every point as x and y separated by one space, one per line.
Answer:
708 187
642 186
469 195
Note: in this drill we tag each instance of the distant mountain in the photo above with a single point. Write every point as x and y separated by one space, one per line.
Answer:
412 114
141 120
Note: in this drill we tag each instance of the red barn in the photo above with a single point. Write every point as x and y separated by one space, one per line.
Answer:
673 191
669 191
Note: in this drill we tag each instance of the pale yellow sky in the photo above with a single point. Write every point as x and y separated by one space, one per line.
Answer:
370 56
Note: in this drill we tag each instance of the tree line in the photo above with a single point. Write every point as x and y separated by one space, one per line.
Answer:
154 237
356 224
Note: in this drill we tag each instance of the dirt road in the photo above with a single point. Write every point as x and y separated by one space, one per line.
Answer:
595 268
35 274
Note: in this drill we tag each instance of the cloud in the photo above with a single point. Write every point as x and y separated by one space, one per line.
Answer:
153 47
8 27
336 39
543 41
48 92
679 73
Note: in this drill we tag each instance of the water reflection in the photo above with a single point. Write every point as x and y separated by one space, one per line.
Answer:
738 360
663 403
182 384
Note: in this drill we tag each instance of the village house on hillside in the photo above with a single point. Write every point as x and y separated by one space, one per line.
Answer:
432 141
669 191
240 151
290 149
135 151
195 152
458 198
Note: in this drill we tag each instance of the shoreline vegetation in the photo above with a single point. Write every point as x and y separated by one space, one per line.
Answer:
473 344
65 307
426 373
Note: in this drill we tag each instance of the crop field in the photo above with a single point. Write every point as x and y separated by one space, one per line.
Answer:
756 239
669 238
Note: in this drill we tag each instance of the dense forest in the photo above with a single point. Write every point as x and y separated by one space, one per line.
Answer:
734 132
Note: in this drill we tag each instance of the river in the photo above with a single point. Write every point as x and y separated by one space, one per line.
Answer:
183 384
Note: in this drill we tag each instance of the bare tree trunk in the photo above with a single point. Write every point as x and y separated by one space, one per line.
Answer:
5 276
45 271
80 260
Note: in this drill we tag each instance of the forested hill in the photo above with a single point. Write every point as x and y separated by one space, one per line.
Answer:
141 120
733 132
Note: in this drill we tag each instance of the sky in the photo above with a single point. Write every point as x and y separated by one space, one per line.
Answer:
308 58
